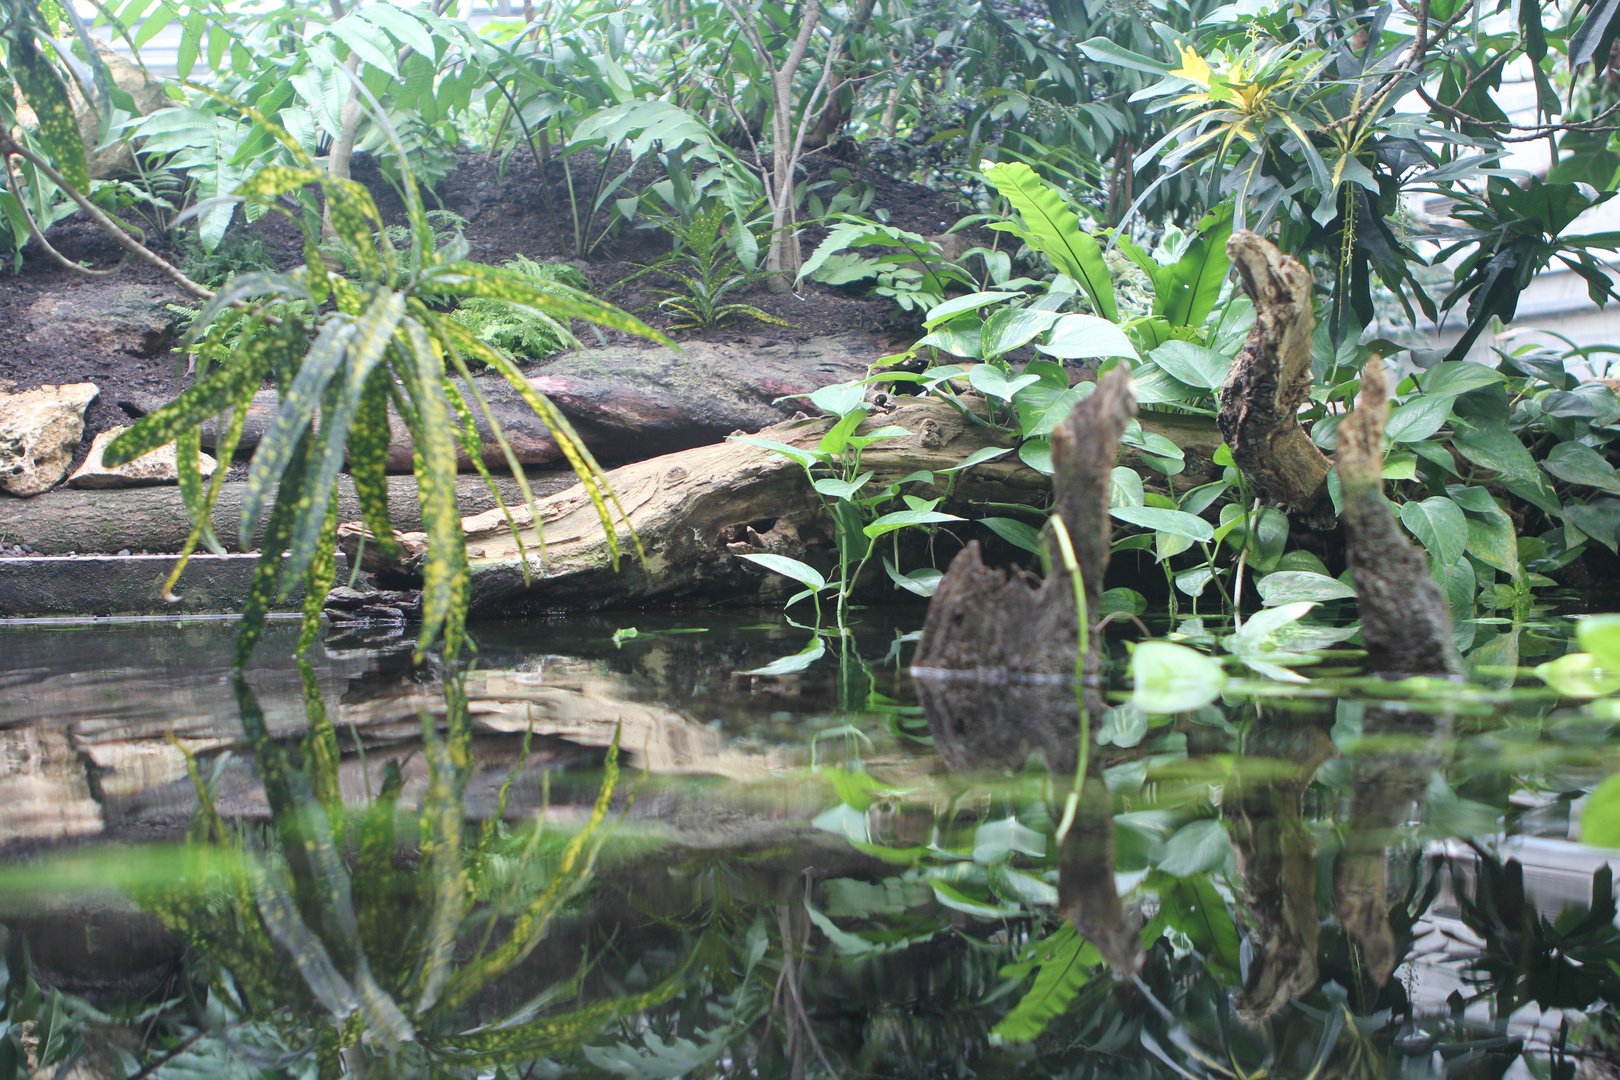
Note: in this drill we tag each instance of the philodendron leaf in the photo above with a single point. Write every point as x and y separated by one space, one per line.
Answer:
839 399
1578 463
888 523
1086 337
1171 678
1292 586
803 573
1174 522
991 381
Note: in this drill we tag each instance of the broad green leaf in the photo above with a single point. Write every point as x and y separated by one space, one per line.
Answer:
1291 586
1086 337
1186 292
1192 364
978 457
923 582
1054 229
1600 817
1494 543
900 519
1170 678
1440 526
1196 848
998 841
1457 377
839 399
1174 522
1011 328
1600 636
1578 463
1126 488
1579 675
1015 532
1037 454
796 454
797 662
1419 418
804 574
943 313
991 381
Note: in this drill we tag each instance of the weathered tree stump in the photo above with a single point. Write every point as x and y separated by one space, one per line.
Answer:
1269 381
1405 623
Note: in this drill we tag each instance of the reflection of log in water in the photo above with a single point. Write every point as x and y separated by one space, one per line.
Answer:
1390 782
1276 857
995 664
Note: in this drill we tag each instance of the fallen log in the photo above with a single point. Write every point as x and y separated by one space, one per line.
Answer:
626 402
695 511
1270 379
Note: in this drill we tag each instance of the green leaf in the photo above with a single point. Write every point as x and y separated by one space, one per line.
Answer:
1196 848
1600 636
1105 51
1291 586
1188 290
1086 337
923 582
1579 675
1066 962
803 573
1600 818
1018 533
36 77
1457 377
1174 522
797 662
1419 418
1439 525
1170 678
1578 463
991 381
1037 454
900 519
945 312
840 399
1054 229
1192 364
1012 328
1494 543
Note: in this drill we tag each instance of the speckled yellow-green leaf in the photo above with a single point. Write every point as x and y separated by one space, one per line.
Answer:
36 77
555 1034
444 573
445 884
274 180
267 571
558 301
349 299
292 422
232 384
322 572
373 333
355 220
368 460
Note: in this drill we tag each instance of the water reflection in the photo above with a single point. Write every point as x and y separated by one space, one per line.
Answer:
384 869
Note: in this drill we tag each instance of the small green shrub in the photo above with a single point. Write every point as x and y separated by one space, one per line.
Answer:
236 253
524 332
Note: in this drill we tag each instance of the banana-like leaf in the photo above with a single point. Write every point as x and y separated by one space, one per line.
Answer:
1193 283
1054 229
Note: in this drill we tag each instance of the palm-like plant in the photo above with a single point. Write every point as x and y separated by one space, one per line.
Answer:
342 351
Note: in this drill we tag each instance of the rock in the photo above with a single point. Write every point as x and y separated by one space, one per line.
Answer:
158 467
106 318
39 434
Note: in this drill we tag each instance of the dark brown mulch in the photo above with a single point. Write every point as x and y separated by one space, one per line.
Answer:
506 215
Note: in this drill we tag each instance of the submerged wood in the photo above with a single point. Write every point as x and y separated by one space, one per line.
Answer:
1269 381
1405 622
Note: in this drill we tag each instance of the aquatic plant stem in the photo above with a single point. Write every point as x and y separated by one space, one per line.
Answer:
1060 533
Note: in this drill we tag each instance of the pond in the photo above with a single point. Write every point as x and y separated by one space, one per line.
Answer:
724 845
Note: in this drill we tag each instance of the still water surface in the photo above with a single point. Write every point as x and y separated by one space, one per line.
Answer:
789 867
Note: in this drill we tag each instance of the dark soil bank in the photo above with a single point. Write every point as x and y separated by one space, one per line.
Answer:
58 327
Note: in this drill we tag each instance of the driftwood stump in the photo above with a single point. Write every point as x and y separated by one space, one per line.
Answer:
1269 381
1405 623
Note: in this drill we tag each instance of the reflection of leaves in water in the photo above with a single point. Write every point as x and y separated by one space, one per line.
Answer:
1064 962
